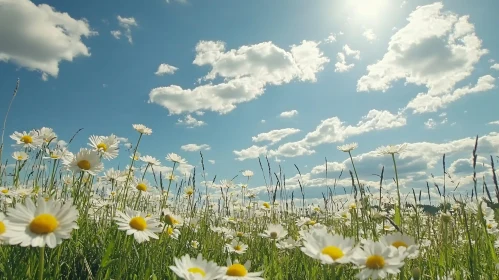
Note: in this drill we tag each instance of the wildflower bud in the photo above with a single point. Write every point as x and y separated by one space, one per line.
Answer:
416 273
446 218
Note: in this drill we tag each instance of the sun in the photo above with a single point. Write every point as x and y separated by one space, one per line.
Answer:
367 10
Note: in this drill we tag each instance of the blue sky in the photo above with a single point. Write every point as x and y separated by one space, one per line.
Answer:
352 70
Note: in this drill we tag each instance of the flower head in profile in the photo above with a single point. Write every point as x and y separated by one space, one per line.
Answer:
150 160
142 129
27 139
175 158
237 271
20 156
392 149
248 173
47 223
347 147
85 161
196 268
134 222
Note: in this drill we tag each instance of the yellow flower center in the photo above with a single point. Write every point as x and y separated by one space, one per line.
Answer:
333 251
102 146
138 223
189 192
375 262
113 193
266 205
171 220
20 158
353 206
141 187
43 224
237 247
2 227
26 139
236 270
5 191
387 227
397 244
490 226
311 222
84 164
273 235
170 230
54 156
239 234
197 270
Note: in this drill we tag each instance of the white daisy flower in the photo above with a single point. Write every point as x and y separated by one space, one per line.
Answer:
150 160
376 260
171 219
347 147
20 156
287 244
138 224
248 173
237 271
172 232
274 232
236 246
326 247
47 134
142 129
196 268
4 225
175 158
106 146
85 161
48 223
392 149
405 244
27 140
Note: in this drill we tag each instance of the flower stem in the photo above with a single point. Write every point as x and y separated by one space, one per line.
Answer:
42 263
398 217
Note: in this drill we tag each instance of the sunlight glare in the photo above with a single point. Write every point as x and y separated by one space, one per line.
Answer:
367 10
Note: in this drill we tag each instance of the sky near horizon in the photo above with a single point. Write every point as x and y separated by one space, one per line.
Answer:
242 80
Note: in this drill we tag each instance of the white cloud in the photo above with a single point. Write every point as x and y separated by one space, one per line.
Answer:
127 24
165 69
116 34
331 130
275 136
178 1
330 39
425 102
190 122
443 114
369 35
331 166
444 121
495 66
289 114
494 122
246 72
430 124
435 49
251 152
211 161
39 37
195 147
341 64
262 121
348 51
